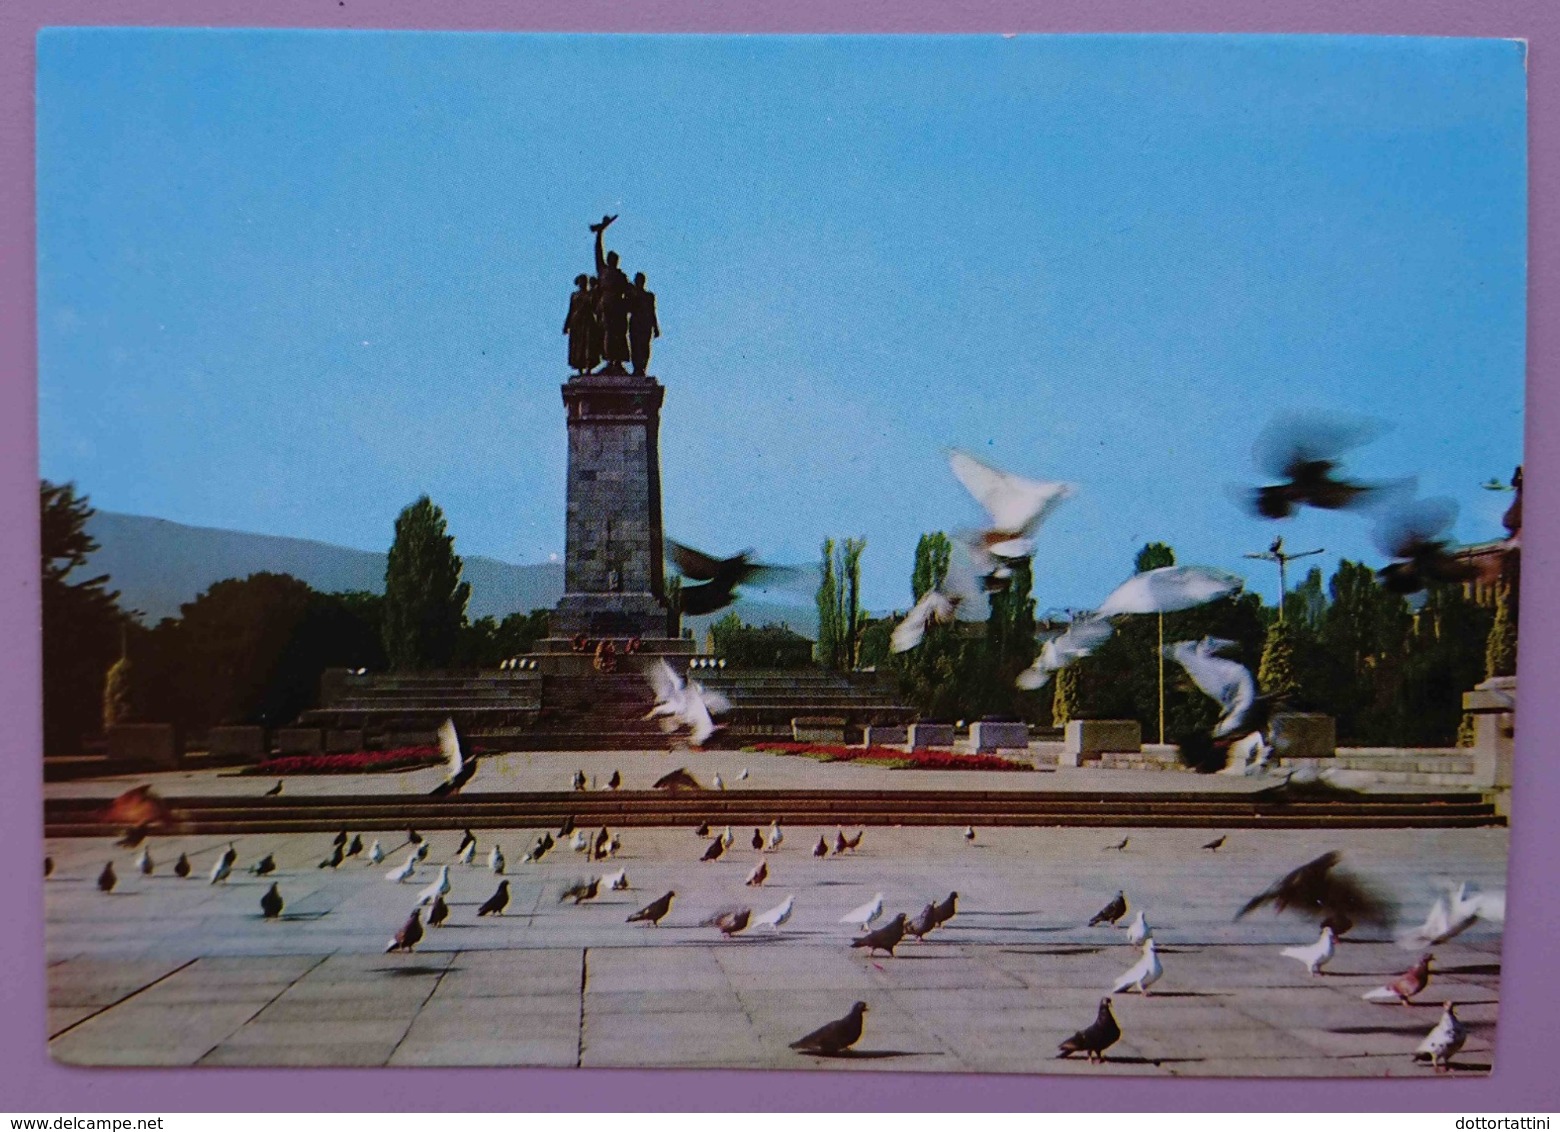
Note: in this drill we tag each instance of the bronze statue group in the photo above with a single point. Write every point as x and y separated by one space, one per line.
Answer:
611 321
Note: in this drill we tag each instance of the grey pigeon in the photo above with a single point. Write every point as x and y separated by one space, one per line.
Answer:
411 931
885 938
834 1037
1112 912
264 866
438 913
581 890
946 910
1095 1038
731 922
923 922
654 911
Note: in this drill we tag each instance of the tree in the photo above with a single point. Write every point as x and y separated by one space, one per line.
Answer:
120 691
425 600
771 646
850 608
1065 699
1154 556
1276 674
828 650
1500 650
81 620
933 553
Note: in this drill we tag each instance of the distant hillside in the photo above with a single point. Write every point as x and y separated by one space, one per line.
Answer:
157 565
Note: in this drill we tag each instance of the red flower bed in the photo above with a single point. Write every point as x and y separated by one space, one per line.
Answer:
355 762
890 757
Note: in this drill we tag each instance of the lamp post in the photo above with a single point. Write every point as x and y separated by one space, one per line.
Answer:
1276 553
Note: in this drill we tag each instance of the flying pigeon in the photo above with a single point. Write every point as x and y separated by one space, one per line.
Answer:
264 866
758 840
496 860
376 852
405 870
356 847
934 608
947 908
822 848
138 810
1169 589
494 905
777 915
1144 974
144 861
710 583
885 938
865 914
618 881
1442 1043
714 850
653 911
1112 912
615 781
730 922
459 768
107 878
1138 930
1228 683
1213 846
334 859
678 779
271 903
684 703
224 866
759 874
1412 535
1301 450
1016 506
438 913
1320 890
581 890
1316 955
1095 1038
275 790
439 887
1442 924
1082 637
411 931
775 836
922 923
181 867
1406 985
834 1037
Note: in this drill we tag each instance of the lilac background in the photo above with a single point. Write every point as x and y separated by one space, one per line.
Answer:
1525 1078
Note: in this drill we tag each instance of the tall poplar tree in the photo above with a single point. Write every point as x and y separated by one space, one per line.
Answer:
425 600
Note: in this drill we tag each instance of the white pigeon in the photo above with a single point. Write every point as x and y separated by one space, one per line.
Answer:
1442 1043
405 870
934 608
1144 974
1228 683
376 852
618 881
864 915
224 865
143 863
775 836
742 774
1451 917
1138 930
716 782
1082 637
1168 589
496 860
777 915
440 887
1017 506
684 703
726 839
465 855
454 760
1249 756
1316 955
580 841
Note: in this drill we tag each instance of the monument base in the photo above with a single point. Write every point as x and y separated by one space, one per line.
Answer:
608 615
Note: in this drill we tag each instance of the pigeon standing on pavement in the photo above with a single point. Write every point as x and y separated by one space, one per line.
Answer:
758 875
946 909
1112 912
1442 1043
438 913
885 938
758 840
107 878
356 847
224 866
969 834
1095 1038
834 1037
438 888
866 913
494 905
411 931
405 870
1405 986
271 903
496 861
713 851
726 839
716 782
1143 974
822 848
615 781
1315 955
581 890
340 840
464 854
1213 846
618 881
730 922
922 922
334 859
654 911
376 852
48 867
777 915
181 867
264 866
775 836
1138 930
275 790
1120 846
144 862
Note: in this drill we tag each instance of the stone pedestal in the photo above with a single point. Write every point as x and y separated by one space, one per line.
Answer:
818 729
931 737
298 740
885 735
148 746
988 737
1304 735
246 743
613 572
1086 739
1493 705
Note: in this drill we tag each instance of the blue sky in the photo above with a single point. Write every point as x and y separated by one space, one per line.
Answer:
289 281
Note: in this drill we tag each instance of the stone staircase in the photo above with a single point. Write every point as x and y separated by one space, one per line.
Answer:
764 701
406 709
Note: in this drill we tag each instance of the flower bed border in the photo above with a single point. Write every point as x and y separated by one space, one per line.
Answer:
891 757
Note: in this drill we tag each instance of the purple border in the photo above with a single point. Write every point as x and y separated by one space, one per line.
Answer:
1525 1078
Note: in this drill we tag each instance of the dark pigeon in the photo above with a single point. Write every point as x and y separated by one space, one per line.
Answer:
715 849
923 922
1301 451
1213 845
885 938
340 839
1112 912
466 838
567 827
275 790
678 779
946 910
758 840
407 937
495 904
653 911
834 1037
615 781
438 913
1095 1038
356 847
181 867
822 848
582 890
730 922
264 866
271 903
1319 890
711 582
48 867
107 878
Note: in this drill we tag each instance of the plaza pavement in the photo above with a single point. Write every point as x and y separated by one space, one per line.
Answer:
182 972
